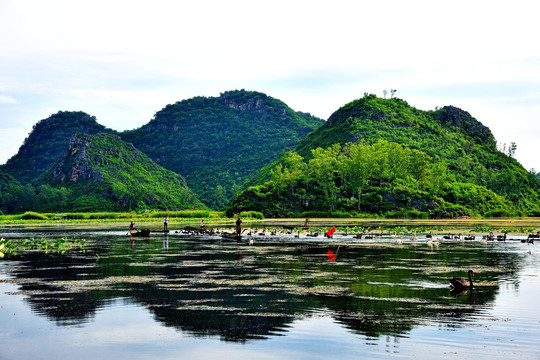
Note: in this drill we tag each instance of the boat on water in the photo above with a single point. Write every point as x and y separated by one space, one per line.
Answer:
231 236
139 233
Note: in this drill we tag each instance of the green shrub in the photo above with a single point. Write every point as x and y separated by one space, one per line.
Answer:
30 215
252 215
181 214
217 214
414 214
340 214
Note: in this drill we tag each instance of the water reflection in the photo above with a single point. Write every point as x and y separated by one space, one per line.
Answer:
455 292
205 286
166 241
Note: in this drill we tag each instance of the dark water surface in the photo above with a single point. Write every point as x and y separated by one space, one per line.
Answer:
203 297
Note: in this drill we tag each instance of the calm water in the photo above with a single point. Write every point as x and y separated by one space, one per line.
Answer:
180 296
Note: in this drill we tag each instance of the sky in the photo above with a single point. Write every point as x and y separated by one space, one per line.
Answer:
122 61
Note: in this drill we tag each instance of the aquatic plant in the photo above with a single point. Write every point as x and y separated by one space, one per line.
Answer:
483 229
13 246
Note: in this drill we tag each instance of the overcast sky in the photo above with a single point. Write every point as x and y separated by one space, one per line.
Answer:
122 61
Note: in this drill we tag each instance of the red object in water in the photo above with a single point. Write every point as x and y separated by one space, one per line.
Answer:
331 255
330 232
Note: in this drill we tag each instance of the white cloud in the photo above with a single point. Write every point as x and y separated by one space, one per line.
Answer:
4 99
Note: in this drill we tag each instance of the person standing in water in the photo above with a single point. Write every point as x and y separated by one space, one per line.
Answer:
238 227
306 223
165 223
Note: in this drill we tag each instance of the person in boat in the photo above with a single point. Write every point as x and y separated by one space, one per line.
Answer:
132 226
238 226
165 223
306 223
202 224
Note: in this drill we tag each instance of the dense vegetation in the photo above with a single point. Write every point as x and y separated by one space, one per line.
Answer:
217 143
48 140
6 181
386 157
101 172
373 156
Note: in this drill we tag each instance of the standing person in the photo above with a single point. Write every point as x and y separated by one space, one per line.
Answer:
165 223
202 224
238 227
306 223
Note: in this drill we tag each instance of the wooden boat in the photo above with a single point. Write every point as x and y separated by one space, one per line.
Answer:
231 236
139 233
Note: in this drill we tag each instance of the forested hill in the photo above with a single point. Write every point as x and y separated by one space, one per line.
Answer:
448 135
49 138
219 142
382 155
103 173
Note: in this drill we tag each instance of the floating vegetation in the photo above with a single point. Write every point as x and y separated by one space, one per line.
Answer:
237 282
104 283
266 315
8 246
316 290
208 308
484 229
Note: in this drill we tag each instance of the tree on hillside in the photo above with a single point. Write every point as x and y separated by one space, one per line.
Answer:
323 166
358 166
512 149
397 162
439 177
418 166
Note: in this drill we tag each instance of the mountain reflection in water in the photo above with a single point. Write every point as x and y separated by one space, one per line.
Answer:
204 286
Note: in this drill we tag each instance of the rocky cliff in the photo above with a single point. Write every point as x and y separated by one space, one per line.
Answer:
107 173
48 140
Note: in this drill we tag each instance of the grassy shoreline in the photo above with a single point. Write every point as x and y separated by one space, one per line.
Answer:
177 220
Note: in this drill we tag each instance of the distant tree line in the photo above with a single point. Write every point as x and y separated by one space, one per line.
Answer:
44 198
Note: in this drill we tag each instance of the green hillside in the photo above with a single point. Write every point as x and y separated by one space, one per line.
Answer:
382 156
48 140
6 181
219 142
103 173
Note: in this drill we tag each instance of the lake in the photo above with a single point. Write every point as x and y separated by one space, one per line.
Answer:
282 297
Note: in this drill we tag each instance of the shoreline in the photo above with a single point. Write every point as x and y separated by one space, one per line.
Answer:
437 226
